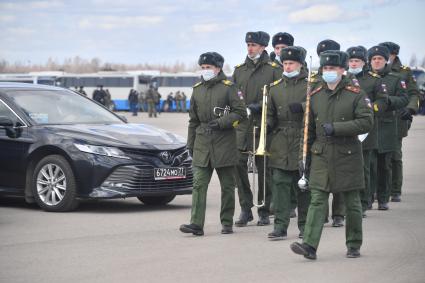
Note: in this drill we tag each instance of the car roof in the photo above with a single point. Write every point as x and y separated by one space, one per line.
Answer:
9 85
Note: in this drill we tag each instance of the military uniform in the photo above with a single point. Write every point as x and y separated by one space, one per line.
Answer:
336 157
214 148
250 78
388 141
151 98
285 120
403 124
371 84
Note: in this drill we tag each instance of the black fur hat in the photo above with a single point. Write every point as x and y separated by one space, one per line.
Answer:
334 58
293 53
211 58
357 52
283 38
327 44
378 50
259 37
394 48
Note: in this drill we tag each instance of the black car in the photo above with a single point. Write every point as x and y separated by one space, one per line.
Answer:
57 147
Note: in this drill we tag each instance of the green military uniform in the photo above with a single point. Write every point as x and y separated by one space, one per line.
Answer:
403 125
371 84
336 161
250 78
388 141
338 207
178 99
214 148
151 98
286 129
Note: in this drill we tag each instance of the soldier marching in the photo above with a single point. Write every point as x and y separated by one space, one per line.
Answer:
355 111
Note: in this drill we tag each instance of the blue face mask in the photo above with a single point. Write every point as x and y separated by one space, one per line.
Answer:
330 76
291 74
355 71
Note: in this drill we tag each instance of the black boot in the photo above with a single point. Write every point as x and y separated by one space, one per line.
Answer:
353 252
277 235
263 220
304 249
192 228
226 229
301 234
245 217
338 221
396 198
383 206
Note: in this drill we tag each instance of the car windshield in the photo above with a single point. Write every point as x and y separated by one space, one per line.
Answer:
61 107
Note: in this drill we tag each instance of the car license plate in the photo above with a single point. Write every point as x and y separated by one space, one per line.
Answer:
169 173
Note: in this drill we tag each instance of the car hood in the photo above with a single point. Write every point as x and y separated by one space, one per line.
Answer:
120 135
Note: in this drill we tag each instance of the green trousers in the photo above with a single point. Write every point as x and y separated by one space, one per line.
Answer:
384 171
317 212
369 166
282 188
201 179
294 195
244 187
151 108
397 171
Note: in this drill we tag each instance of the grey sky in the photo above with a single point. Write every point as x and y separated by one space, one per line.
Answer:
165 31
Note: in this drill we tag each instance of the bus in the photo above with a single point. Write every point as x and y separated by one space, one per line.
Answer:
119 85
30 78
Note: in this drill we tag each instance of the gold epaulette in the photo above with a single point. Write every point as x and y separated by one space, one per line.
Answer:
374 74
239 65
316 91
405 68
276 82
273 64
353 88
227 82
198 84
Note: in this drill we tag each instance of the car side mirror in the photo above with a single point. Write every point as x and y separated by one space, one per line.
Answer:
9 126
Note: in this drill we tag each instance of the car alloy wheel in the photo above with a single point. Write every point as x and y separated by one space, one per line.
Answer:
51 184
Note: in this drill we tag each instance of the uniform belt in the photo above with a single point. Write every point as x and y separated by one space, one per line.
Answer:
337 140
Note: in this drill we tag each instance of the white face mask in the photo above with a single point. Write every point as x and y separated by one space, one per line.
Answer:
207 74
291 74
355 71
255 57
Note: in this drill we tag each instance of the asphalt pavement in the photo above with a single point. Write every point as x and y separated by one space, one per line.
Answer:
126 241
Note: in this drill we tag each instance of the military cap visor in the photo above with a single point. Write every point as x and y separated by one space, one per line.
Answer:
211 58
259 37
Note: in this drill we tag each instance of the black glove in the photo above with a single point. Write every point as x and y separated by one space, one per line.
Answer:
329 129
406 114
214 125
255 108
296 107
272 56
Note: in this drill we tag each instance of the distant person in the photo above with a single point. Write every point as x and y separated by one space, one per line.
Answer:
133 101
168 104
158 101
150 99
98 95
82 91
142 101
184 101
178 99
108 99
75 89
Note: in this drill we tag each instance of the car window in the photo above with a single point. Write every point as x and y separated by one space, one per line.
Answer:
60 107
6 112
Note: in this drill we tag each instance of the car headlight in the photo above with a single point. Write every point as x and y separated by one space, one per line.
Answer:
102 150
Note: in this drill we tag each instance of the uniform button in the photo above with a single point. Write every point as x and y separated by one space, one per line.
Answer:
349 152
342 118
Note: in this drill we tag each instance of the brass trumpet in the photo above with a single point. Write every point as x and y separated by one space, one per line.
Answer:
260 151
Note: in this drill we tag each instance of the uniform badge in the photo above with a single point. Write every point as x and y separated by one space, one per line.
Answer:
384 88
403 84
240 95
356 82
368 102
